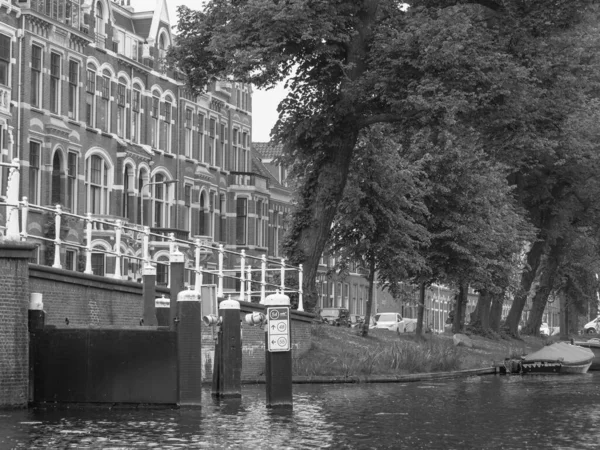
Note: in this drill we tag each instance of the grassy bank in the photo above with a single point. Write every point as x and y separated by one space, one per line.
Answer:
337 351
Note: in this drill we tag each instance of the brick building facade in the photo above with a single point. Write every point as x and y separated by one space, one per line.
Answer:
101 125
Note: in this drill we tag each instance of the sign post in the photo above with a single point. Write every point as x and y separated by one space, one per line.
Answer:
278 357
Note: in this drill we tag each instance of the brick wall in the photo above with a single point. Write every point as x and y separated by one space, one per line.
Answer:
14 335
87 299
99 301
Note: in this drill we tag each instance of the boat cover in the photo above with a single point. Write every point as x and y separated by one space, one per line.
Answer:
592 343
563 352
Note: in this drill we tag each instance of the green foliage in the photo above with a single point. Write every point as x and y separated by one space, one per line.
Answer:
382 216
479 96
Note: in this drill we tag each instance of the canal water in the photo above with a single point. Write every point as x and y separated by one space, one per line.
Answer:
490 412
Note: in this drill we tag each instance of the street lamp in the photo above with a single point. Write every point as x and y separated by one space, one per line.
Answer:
153 183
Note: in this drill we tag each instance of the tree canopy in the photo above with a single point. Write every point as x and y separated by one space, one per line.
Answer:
493 92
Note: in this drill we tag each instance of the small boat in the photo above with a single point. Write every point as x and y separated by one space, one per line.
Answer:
594 345
560 357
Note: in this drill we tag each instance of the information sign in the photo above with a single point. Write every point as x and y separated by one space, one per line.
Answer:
278 333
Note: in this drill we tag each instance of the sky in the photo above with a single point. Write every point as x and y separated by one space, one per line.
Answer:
264 103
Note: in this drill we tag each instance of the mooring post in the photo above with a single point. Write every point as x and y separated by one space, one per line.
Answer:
36 322
278 354
37 316
227 383
176 281
149 294
163 310
188 323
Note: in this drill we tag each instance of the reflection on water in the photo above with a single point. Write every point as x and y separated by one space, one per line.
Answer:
493 412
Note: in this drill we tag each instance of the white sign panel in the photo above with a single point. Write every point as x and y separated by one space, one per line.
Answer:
278 329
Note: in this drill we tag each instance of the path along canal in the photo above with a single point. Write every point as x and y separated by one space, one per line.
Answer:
489 412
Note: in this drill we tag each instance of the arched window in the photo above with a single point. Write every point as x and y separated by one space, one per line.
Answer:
160 199
187 207
202 222
99 18
275 231
154 111
162 52
212 199
135 114
143 179
166 131
96 182
90 98
104 101
122 94
223 222
162 270
128 183
57 191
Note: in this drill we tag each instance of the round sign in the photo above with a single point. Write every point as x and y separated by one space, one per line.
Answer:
281 326
274 314
282 342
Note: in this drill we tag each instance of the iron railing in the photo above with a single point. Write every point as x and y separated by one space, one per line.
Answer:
17 221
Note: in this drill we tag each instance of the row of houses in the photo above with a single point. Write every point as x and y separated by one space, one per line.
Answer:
101 125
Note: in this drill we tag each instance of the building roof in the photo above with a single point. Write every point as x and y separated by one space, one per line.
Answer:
268 150
124 22
142 26
259 167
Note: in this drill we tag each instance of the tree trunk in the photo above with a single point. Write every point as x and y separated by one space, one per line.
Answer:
365 328
527 276
544 287
497 301
564 316
320 196
480 318
420 310
327 172
460 307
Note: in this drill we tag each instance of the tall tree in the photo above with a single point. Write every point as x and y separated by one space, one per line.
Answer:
353 63
381 218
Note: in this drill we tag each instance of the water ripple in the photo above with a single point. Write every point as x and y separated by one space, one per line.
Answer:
477 413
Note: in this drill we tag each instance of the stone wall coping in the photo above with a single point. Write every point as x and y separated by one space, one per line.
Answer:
83 279
15 249
301 316
104 328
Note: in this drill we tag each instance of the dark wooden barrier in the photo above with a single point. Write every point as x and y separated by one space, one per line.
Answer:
88 365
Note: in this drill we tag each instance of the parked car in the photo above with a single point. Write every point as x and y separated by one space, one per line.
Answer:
336 316
544 329
590 327
390 321
356 320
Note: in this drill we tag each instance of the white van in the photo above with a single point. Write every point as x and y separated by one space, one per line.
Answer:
390 321
590 327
